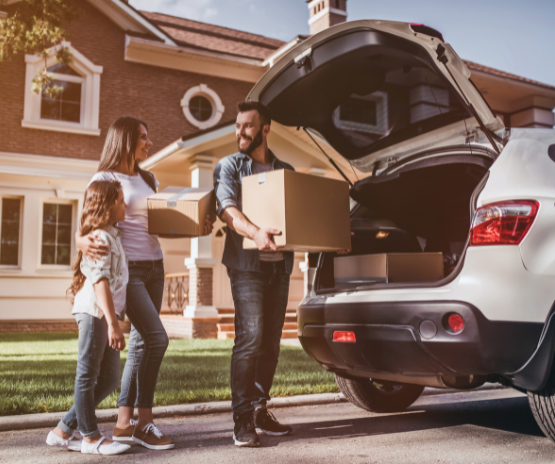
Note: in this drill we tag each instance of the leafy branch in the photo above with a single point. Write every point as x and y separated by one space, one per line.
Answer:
34 27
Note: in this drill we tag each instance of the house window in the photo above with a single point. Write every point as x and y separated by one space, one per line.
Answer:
76 109
57 220
202 107
10 226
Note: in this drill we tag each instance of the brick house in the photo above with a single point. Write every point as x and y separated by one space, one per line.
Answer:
184 79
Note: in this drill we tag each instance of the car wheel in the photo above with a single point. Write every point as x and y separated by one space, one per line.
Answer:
542 404
378 395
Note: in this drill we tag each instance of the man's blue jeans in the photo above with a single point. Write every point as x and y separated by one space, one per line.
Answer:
260 300
148 340
97 375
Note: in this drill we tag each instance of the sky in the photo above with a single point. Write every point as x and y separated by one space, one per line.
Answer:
516 36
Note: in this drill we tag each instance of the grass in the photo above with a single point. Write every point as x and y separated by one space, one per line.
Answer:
37 373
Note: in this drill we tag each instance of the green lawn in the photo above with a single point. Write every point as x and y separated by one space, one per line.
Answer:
37 373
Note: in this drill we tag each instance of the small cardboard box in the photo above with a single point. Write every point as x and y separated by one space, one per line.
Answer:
179 212
388 267
311 212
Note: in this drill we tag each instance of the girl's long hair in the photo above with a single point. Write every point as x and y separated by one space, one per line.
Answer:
100 198
121 143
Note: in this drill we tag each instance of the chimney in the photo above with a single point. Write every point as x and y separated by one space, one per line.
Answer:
326 13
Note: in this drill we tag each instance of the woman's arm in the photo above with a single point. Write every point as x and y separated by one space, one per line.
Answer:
89 247
116 340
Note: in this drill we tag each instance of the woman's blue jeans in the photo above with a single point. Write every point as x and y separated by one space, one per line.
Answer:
260 300
97 375
148 340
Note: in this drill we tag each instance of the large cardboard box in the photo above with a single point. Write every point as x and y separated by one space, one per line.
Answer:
180 213
388 267
311 212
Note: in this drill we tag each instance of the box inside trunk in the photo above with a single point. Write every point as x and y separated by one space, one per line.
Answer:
424 206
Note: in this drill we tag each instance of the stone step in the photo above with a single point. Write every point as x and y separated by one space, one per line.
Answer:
231 335
230 318
231 327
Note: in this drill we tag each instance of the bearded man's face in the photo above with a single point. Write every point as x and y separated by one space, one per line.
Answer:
248 131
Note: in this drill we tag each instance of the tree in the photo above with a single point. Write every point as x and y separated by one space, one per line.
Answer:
34 28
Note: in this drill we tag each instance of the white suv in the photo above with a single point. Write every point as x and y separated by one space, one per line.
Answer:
397 102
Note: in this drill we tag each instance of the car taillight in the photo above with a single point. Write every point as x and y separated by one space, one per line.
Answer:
503 223
344 337
455 322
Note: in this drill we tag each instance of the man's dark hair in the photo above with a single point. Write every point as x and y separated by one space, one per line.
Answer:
263 110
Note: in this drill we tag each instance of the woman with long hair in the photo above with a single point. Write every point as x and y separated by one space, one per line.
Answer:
126 145
98 291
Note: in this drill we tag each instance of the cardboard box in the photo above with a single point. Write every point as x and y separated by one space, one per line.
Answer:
388 267
311 212
180 212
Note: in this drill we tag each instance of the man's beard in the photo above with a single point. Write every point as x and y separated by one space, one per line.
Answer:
253 145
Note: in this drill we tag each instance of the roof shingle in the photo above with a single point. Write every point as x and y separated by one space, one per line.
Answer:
214 38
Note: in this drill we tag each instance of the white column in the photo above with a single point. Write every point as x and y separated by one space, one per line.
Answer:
201 263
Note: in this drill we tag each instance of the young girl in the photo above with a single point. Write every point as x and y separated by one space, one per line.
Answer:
99 290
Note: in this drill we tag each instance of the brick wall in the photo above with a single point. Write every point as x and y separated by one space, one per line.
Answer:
150 93
200 286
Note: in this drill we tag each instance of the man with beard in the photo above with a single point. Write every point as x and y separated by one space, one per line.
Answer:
259 280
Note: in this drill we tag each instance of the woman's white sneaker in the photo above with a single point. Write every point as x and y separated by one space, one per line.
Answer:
107 450
72 443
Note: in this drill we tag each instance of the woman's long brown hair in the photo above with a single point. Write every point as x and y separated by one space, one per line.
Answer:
100 198
120 145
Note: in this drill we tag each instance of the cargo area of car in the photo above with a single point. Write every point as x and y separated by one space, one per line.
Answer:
421 207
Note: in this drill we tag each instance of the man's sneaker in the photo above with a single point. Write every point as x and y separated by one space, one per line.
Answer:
126 433
267 423
244 433
151 437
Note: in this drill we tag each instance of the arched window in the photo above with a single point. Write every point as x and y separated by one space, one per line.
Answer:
76 109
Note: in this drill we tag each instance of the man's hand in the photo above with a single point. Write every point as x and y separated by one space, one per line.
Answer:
90 247
264 239
116 340
345 252
208 225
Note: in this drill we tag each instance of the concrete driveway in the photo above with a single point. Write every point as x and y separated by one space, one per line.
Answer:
493 426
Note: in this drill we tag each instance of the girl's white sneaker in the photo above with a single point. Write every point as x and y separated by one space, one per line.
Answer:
72 443
107 450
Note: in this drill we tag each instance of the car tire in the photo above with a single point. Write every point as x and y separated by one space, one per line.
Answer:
378 395
542 404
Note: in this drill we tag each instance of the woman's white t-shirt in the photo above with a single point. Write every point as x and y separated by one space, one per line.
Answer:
138 244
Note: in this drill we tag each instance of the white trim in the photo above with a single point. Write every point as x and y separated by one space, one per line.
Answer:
217 107
182 146
3 14
326 11
138 50
59 126
129 19
47 166
89 78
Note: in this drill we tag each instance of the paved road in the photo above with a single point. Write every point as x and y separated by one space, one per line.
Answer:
493 426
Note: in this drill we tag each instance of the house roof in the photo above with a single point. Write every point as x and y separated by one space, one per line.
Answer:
496 72
203 36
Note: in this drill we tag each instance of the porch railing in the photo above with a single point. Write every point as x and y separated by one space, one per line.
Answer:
176 292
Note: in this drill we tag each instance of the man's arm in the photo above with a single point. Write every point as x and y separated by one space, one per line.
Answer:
237 221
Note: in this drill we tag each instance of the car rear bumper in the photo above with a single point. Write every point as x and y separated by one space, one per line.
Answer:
389 340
